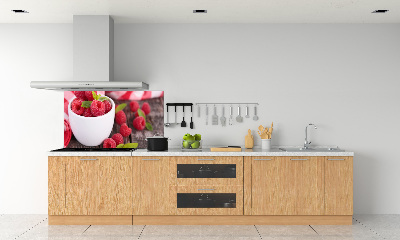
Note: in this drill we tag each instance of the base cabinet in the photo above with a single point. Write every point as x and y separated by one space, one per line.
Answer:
287 186
338 185
90 186
252 190
151 186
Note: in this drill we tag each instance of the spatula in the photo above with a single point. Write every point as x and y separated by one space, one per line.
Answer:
214 118
183 123
239 117
223 119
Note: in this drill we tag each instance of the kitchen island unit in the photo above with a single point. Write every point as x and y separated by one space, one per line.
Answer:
175 187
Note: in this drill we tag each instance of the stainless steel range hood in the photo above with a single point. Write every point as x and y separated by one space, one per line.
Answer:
101 86
93 44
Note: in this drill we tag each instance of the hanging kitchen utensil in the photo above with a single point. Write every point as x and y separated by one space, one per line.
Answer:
214 118
239 117
183 123
247 111
230 116
206 115
167 123
255 118
191 118
223 119
198 111
176 117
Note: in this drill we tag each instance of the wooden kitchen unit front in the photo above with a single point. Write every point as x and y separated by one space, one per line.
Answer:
201 190
287 186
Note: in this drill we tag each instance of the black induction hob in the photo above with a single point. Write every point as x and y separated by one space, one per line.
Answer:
94 150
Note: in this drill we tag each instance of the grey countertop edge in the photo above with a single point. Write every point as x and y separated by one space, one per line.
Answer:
89 154
257 152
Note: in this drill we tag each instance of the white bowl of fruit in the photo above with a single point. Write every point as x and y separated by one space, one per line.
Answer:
91 117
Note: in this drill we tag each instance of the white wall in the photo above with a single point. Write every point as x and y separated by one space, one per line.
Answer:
340 77
31 120
343 78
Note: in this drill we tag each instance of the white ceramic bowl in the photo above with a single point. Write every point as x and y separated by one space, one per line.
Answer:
91 131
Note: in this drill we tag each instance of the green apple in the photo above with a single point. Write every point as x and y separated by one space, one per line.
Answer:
186 136
186 144
197 137
190 138
196 144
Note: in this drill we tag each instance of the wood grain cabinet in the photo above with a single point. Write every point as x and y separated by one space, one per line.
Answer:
90 186
252 190
151 186
338 185
287 186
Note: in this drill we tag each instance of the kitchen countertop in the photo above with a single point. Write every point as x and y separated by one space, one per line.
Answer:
205 152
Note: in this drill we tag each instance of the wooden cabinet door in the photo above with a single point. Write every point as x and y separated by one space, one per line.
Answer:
98 185
56 185
287 186
152 182
338 185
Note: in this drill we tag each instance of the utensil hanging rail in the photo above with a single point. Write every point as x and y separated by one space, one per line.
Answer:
180 104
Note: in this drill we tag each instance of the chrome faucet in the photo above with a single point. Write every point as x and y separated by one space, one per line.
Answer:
306 142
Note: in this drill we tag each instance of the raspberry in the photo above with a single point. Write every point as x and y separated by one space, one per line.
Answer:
76 102
125 130
120 117
80 95
97 108
87 113
118 138
89 95
146 108
109 143
139 123
76 106
108 106
134 106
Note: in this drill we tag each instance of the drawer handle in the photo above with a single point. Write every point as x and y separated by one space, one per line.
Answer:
262 159
89 159
206 159
336 159
205 189
151 159
299 159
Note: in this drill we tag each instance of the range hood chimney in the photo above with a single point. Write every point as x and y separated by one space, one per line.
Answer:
93 48
93 45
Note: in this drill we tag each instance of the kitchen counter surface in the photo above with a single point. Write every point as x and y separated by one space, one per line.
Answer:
89 154
176 152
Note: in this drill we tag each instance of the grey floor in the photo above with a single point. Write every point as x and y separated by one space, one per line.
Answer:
364 227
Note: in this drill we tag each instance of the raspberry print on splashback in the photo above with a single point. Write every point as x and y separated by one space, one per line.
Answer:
112 119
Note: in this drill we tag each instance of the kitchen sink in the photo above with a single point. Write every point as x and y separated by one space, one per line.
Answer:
312 149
